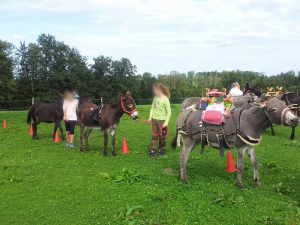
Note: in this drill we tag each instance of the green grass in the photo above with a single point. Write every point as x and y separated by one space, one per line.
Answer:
41 182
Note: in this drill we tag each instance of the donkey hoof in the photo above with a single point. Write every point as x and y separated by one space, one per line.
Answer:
114 154
105 154
257 184
241 186
185 181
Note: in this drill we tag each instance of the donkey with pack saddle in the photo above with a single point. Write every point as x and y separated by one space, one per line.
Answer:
243 130
105 118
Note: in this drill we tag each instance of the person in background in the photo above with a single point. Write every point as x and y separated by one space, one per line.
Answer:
159 117
75 93
235 91
70 106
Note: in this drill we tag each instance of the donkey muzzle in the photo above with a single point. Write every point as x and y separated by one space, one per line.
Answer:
289 118
135 115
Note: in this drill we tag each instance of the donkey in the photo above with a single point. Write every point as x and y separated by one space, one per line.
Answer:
291 100
191 103
248 125
49 113
109 118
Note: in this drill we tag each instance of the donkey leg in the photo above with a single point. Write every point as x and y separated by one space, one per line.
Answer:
293 133
81 137
188 146
255 164
54 131
272 129
105 142
178 140
240 166
112 139
35 135
87 135
61 130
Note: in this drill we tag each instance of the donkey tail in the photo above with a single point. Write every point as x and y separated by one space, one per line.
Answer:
298 110
29 118
174 140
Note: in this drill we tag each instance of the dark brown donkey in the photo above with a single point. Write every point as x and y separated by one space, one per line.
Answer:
109 116
49 113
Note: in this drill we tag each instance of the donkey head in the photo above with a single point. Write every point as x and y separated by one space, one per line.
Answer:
128 105
252 91
277 112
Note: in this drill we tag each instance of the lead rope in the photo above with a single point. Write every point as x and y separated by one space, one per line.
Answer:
160 133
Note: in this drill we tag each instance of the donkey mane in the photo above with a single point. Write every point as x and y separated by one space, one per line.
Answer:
114 103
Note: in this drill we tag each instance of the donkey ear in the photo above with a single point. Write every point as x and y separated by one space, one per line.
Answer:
60 94
247 87
128 94
257 104
121 94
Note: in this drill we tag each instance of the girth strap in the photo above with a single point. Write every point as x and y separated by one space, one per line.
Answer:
203 141
245 137
221 143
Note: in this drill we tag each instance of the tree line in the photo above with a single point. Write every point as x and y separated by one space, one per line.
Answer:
49 66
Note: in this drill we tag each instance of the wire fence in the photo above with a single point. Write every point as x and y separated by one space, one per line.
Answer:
18 105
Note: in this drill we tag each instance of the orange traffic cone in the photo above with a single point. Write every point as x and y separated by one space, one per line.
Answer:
230 163
31 130
56 137
125 146
4 124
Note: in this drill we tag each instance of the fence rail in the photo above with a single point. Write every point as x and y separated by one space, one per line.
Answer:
17 105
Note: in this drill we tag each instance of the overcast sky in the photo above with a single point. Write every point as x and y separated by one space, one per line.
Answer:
163 35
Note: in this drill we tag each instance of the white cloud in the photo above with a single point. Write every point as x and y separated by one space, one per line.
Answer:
19 37
183 34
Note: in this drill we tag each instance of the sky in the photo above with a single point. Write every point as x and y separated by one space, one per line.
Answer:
160 36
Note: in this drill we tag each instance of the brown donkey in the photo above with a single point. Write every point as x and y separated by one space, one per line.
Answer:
109 116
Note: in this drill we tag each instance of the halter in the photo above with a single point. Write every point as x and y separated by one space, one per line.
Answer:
129 113
281 117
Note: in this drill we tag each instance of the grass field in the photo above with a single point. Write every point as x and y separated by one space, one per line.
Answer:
41 182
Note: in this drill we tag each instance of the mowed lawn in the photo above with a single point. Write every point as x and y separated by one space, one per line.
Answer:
41 182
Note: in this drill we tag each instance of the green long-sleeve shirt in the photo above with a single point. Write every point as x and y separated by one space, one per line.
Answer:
161 109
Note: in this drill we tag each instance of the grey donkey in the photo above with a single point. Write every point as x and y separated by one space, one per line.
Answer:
253 121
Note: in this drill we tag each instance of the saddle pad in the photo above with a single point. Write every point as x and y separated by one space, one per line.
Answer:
214 114
214 117
229 128
95 115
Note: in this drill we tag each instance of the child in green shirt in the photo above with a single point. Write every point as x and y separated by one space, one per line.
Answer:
159 117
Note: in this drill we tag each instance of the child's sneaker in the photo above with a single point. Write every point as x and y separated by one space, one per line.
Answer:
72 145
67 145
161 152
152 153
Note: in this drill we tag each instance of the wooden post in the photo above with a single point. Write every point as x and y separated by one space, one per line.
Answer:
32 100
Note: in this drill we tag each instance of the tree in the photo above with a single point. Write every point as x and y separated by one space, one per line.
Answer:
7 66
